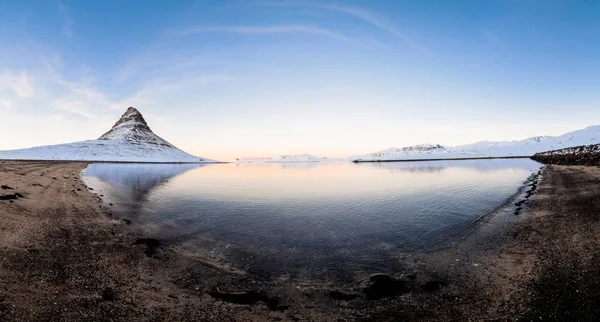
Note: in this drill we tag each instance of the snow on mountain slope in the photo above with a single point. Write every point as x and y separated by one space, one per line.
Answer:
527 147
129 140
284 159
132 127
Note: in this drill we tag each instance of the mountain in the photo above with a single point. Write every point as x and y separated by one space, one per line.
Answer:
129 140
133 127
284 159
526 147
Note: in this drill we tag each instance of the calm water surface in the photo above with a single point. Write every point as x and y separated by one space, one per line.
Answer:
309 218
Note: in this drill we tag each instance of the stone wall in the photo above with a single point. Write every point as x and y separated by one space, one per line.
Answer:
577 155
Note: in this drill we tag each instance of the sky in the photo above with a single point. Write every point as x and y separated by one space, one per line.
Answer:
243 78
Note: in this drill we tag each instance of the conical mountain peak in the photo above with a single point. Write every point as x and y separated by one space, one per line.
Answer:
133 127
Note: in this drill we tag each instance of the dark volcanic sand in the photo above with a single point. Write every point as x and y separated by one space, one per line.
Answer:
64 257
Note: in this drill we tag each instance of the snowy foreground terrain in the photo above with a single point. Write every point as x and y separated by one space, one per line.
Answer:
129 140
527 147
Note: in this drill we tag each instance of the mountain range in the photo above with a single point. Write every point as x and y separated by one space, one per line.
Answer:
526 147
132 140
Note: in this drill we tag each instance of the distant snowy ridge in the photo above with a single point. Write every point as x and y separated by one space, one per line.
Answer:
129 140
483 149
284 159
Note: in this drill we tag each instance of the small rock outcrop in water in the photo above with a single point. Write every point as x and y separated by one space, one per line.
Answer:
579 155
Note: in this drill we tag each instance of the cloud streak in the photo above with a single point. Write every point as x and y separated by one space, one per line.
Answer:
16 84
363 15
262 30
67 23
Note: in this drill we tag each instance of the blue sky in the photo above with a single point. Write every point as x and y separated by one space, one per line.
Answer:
226 79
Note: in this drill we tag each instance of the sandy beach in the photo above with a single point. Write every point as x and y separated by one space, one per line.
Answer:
65 256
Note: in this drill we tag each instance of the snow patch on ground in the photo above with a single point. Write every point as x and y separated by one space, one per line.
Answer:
104 150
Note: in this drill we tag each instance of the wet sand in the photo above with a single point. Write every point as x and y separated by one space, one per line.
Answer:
64 256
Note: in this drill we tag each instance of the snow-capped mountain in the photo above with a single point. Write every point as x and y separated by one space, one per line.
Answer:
526 147
129 140
284 159
133 127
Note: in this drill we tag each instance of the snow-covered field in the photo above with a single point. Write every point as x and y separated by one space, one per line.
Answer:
104 150
527 147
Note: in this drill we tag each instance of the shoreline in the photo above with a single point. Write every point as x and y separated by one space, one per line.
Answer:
65 257
513 210
92 161
444 159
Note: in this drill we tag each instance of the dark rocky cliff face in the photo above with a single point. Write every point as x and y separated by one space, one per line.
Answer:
133 116
579 155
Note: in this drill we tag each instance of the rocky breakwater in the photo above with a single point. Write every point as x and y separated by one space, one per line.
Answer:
578 155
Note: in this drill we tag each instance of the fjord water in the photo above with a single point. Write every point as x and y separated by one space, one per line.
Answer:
309 218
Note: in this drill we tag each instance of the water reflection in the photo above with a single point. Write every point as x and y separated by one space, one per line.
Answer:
322 218
136 180
481 165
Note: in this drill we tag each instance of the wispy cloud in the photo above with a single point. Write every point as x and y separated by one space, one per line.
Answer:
153 92
67 23
18 84
361 14
258 30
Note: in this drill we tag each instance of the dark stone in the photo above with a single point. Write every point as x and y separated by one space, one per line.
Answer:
108 294
151 245
433 286
126 221
411 277
4 187
382 285
11 197
342 296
